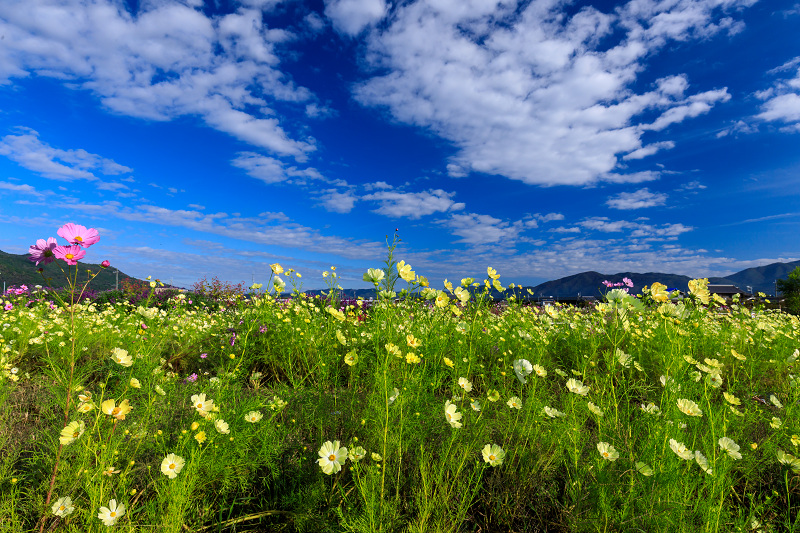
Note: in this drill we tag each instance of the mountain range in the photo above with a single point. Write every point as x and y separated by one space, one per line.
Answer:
16 270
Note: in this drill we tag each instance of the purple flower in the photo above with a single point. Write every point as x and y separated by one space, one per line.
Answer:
192 378
627 282
203 355
42 251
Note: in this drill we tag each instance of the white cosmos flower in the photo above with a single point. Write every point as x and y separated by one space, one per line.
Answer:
576 386
465 384
452 415
730 447
63 506
522 369
331 457
681 450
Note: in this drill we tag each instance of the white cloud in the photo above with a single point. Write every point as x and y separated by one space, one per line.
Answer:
636 200
351 17
638 230
165 61
782 100
412 205
336 201
530 92
271 170
22 188
27 150
476 229
649 150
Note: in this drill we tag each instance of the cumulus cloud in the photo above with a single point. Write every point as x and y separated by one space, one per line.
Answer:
782 100
351 17
637 229
28 151
531 91
636 200
271 170
337 201
476 229
165 60
413 205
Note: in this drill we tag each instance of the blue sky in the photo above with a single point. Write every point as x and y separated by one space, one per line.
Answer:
542 138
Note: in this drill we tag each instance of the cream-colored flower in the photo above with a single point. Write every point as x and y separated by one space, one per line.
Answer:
737 355
702 461
109 515
221 426
465 384
775 423
121 357
110 471
651 408
775 401
351 358
476 405
553 413
789 460
714 379
376 457
63 506
412 341
253 416
681 450
730 447
540 371
493 454
201 404
331 457
576 386
172 465
72 432
522 369
644 469
356 454
731 399
452 415
514 402
448 362
276 268
405 272
607 451
593 408
159 390
493 395
688 407
658 291
412 358
134 383
394 350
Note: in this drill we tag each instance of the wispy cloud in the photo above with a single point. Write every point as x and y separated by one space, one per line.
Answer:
28 151
636 200
413 205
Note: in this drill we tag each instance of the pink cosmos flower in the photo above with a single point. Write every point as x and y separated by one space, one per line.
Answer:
76 234
70 254
105 264
42 251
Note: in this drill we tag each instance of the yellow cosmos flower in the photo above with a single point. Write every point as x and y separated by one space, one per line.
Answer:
351 358
121 357
110 408
200 437
658 291
448 362
405 272
134 383
253 416
72 432
331 457
412 341
493 454
222 427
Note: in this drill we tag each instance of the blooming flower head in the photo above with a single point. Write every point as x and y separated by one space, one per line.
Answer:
121 357
607 451
775 423
117 411
452 415
200 403
221 426
448 362
522 369
70 254
76 234
731 399
775 401
110 471
493 454
553 413
540 371
476 405
493 395
405 272
72 432
356 454
200 437
253 416
172 465
789 460
134 383
331 457
681 450
730 447
514 402
63 506
465 384
576 386
351 358
42 251
109 515
688 407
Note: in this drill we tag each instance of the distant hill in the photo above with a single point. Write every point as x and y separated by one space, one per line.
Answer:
19 270
761 279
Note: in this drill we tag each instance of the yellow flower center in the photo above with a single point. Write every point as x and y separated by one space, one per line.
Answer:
331 457
115 411
172 466
79 238
605 454
62 508
75 435
69 256
199 406
112 514
492 457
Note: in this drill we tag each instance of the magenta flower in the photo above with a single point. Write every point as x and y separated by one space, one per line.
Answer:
628 282
42 251
105 264
70 254
76 234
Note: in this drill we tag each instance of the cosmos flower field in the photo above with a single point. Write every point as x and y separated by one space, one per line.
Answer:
425 411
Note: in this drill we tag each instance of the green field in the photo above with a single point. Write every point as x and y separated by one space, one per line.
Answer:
457 413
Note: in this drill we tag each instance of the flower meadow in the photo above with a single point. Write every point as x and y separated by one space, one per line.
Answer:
425 411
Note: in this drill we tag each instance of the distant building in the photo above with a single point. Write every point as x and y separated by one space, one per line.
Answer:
727 291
